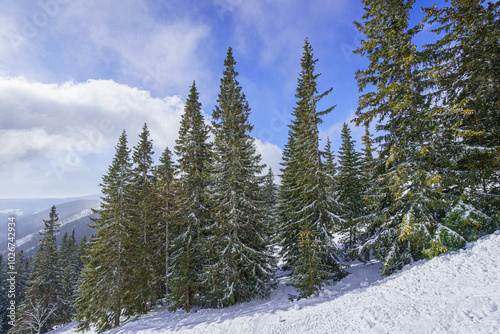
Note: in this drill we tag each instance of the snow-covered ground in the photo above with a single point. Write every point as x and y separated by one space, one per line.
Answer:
454 293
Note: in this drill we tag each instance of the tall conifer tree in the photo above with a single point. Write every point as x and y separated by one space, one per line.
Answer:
193 208
467 91
241 264
329 165
103 293
411 183
307 210
164 198
43 306
349 186
143 228
270 197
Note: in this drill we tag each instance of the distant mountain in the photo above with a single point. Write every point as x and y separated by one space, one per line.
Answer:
28 206
73 214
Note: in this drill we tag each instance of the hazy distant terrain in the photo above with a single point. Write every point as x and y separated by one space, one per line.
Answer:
73 214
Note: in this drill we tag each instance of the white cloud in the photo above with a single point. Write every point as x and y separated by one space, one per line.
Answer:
59 139
271 155
56 40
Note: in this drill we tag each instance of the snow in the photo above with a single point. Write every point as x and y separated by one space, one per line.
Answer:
79 215
26 239
15 212
454 293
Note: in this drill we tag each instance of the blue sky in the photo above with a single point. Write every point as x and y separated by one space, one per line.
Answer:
73 74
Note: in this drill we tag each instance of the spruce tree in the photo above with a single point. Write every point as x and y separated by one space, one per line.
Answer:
367 156
241 265
349 186
102 293
466 79
411 183
371 166
43 306
371 195
329 165
308 212
193 208
144 231
270 197
164 197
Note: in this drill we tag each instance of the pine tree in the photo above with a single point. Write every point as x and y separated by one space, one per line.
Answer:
307 210
467 84
371 167
143 228
371 196
410 186
42 308
349 186
102 292
367 156
164 198
241 265
329 166
270 197
193 208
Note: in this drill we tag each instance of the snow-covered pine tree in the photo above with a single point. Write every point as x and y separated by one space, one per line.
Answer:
164 197
371 196
368 161
144 231
192 206
349 186
410 187
42 308
241 265
307 210
467 78
270 197
102 292
329 166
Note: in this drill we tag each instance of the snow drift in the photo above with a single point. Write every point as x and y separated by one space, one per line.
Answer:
453 293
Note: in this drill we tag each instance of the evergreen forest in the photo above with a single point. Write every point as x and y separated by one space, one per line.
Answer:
206 225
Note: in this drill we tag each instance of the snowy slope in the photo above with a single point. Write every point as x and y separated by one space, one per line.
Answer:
454 293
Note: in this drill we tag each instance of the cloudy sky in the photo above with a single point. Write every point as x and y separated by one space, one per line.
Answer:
75 73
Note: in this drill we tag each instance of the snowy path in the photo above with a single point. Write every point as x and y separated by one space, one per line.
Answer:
454 293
